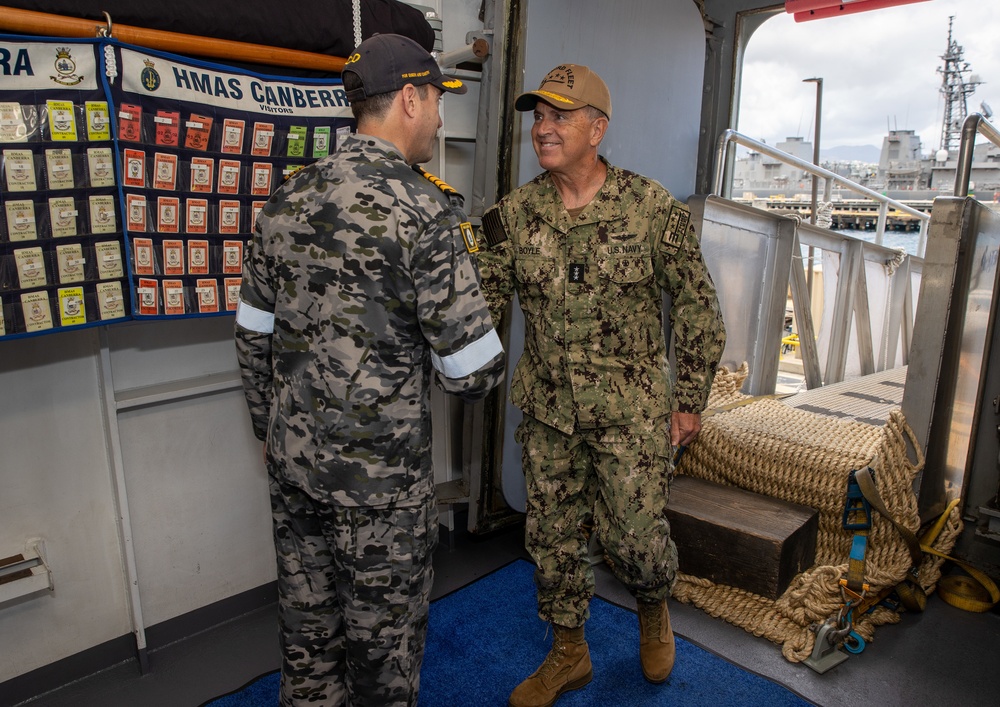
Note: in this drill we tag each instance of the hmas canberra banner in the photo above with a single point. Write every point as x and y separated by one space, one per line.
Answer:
201 147
172 80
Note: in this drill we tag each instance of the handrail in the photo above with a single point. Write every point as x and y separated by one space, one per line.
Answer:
963 170
730 136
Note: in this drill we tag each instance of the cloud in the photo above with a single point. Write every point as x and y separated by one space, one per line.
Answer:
879 70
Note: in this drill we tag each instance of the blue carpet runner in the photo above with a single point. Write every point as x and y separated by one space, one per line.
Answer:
486 637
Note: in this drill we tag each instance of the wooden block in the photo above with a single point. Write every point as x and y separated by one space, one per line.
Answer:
738 538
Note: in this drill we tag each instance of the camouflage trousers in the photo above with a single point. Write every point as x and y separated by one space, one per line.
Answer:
613 481
354 590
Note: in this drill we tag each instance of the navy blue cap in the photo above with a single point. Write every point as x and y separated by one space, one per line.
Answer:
386 62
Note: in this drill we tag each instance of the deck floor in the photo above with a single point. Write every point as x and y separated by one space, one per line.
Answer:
943 656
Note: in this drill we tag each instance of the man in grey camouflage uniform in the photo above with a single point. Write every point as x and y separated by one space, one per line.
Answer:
589 249
357 283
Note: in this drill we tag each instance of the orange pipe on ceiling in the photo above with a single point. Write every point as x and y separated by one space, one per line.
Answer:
41 23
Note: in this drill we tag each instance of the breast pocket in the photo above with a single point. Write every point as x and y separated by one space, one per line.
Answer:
536 279
625 270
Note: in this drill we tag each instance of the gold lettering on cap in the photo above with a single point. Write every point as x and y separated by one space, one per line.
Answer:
554 96
561 74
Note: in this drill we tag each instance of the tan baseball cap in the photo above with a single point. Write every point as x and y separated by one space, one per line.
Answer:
569 87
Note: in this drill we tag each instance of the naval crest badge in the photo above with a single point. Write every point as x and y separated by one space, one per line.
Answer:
65 67
150 77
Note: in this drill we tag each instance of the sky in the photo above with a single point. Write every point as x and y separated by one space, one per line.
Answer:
879 71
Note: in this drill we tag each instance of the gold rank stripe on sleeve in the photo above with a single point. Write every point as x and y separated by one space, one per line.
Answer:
456 200
439 183
454 197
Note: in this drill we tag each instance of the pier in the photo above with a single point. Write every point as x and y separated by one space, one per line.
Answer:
852 215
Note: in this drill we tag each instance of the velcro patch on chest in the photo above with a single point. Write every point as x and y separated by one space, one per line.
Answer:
494 230
677 225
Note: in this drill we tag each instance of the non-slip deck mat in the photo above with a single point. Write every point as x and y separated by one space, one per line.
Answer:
486 637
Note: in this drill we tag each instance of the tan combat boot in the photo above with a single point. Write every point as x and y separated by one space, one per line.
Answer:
656 641
566 667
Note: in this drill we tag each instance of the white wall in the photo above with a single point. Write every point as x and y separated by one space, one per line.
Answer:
55 485
194 474
195 487
651 54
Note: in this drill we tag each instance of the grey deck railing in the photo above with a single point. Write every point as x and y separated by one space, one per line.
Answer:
723 187
974 124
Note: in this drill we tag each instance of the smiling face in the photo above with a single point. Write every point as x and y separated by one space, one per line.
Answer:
565 139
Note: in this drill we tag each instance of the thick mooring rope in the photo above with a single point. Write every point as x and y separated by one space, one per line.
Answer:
803 457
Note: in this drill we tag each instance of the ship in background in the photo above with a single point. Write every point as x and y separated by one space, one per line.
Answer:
902 173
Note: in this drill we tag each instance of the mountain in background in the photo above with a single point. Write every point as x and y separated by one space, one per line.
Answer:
868 154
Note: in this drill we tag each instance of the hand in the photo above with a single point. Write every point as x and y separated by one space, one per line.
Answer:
684 427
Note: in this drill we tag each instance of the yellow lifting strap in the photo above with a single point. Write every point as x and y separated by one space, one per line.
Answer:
909 590
977 592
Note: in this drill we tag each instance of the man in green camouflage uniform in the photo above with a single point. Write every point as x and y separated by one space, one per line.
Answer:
357 283
589 250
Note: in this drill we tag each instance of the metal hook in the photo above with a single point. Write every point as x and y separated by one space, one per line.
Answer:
844 626
837 636
105 31
854 643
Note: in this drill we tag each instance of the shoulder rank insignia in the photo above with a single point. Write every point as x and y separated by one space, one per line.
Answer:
493 229
454 198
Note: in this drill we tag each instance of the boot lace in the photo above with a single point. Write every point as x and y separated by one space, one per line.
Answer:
554 660
652 615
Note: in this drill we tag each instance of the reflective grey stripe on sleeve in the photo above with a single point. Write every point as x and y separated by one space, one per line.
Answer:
471 358
253 319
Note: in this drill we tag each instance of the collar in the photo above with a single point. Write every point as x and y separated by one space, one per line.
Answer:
605 206
373 146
